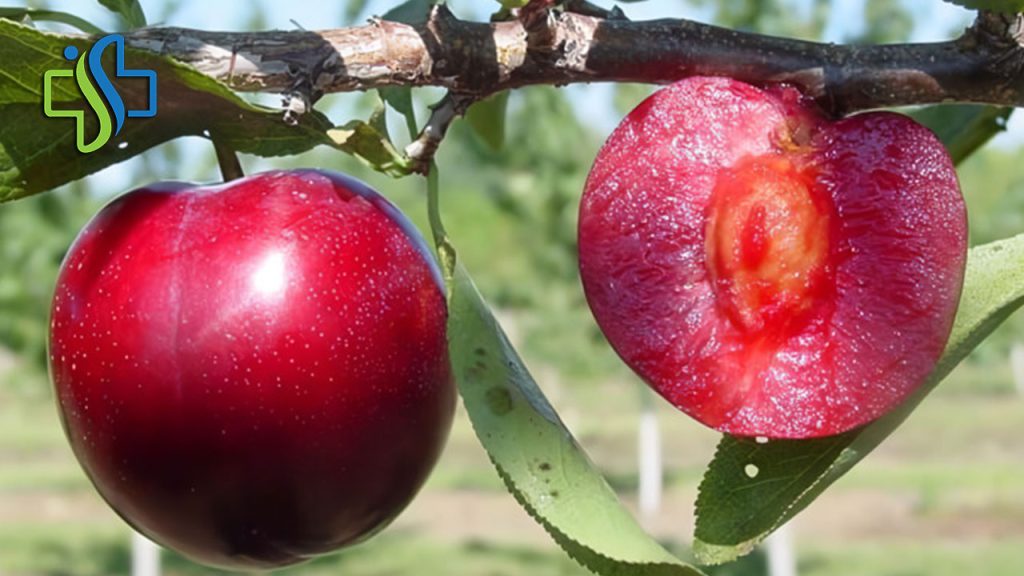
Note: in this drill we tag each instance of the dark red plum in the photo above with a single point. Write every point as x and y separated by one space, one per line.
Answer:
253 373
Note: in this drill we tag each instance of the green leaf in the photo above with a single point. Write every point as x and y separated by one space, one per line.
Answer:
963 128
38 153
537 457
379 121
19 14
736 511
1007 6
487 118
540 462
400 99
368 143
129 10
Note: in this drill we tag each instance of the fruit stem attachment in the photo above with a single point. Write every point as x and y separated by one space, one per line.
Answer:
445 251
230 167
421 151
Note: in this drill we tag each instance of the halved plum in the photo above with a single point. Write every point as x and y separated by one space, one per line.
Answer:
767 270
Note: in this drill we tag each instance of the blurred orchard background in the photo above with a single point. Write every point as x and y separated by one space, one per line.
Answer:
943 496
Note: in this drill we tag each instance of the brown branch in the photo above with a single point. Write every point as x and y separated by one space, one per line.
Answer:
984 65
421 151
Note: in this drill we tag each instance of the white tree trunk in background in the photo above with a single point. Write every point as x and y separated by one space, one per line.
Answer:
7 360
781 553
649 452
1017 365
145 556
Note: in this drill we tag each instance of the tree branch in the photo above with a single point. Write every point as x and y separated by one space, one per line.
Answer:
477 59
421 151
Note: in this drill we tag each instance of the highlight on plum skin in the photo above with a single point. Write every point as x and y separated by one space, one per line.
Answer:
768 270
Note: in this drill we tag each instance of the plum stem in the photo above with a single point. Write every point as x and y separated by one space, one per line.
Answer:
230 167
421 151
445 251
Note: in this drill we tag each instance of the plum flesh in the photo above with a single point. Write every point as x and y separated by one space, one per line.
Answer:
766 269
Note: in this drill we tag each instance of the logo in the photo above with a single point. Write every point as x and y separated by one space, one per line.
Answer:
98 91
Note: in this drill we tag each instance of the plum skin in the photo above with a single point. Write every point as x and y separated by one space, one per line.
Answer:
768 270
254 373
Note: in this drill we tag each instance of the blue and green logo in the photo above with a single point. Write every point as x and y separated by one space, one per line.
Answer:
98 91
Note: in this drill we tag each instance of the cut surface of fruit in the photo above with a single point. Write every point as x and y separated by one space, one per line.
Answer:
767 243
766 269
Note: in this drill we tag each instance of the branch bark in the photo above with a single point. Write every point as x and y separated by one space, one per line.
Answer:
421 151
476 59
